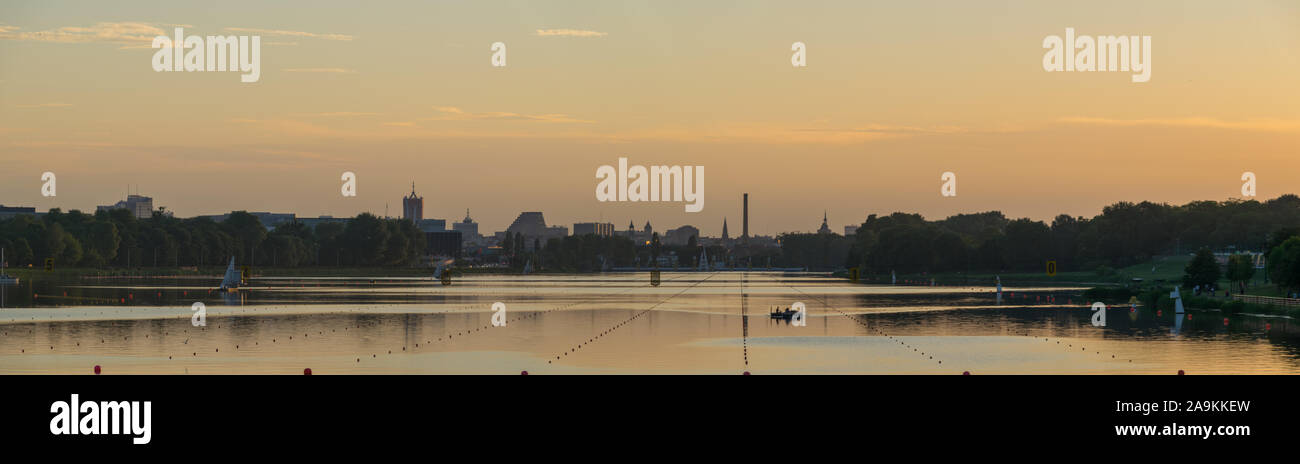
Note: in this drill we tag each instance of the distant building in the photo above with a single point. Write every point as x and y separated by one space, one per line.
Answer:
532 226
468 228
849 231
681 235
413 206
603 229
442 243
431 225
7 212
140 206
724 230
312 223
269 220
825 229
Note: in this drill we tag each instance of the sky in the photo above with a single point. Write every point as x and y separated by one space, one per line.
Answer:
893 95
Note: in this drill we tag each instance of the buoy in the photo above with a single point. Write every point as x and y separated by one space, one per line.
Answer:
1180 372
746 373
306 371
523 372
965 373
96 369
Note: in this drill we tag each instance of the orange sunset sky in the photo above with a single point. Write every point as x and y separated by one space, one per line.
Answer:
893 95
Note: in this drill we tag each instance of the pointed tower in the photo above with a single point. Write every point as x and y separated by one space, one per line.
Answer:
826 228
724 229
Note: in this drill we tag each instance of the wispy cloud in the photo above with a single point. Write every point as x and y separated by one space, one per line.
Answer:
280 32
892 130
451 113
44 105
121 33
136 34
1262 125
321 70
569 33
340 114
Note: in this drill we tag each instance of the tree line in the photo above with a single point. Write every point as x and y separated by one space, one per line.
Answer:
1123 234
116 238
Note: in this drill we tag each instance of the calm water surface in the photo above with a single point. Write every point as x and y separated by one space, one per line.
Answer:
708 323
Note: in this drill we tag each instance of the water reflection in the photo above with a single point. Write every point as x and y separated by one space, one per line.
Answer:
612 323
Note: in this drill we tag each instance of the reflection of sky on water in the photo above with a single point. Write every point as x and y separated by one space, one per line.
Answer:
615 323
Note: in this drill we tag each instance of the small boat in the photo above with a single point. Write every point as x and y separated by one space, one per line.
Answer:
786 314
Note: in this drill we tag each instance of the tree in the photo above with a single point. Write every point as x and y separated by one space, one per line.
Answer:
1240 270
248 229
1284 265
1202 271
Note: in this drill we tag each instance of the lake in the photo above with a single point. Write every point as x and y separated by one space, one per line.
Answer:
614 323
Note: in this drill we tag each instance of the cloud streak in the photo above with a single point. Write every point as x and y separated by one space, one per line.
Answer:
569 33
1260 125
451 113
321 70
121 33
280 32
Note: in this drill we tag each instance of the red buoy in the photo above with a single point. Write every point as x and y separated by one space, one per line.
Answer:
306 371
523 372
965 373
96 369
746 373
1180 372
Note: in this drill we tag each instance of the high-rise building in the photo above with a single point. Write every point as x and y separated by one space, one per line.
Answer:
603 229
412 206
140 206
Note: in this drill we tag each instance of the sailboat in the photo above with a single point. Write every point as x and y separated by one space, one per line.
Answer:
232 279
5 279
442 267
999 289
528 267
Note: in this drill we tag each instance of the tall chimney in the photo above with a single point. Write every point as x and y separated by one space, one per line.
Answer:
744 234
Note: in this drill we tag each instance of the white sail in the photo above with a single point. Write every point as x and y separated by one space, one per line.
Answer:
231 280
999 289
1178 300
528 267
